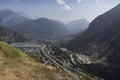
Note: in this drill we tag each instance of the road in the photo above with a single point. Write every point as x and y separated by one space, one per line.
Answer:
64 66
46 54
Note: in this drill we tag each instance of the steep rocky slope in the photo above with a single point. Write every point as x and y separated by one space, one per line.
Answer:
101 42
102 36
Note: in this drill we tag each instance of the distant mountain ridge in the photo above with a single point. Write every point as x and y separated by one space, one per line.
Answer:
4 13
41 28
10 18
24 15
77 26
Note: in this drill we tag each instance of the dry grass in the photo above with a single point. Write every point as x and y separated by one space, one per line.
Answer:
14 65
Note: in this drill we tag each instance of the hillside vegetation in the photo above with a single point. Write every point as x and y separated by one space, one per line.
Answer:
9 36
15 65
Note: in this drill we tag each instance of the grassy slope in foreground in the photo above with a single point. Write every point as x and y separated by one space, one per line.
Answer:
15 65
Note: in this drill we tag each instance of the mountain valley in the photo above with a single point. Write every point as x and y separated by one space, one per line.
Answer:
48 49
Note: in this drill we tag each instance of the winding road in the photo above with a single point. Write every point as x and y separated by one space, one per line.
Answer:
64 66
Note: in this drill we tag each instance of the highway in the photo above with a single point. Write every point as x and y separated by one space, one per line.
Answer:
46 54
73 72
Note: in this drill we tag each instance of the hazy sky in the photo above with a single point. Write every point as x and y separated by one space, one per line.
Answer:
64 10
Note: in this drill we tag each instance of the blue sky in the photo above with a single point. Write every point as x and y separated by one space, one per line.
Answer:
64 10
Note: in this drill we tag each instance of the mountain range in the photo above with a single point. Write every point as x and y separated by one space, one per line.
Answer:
77 26
101 42
10 18
42 28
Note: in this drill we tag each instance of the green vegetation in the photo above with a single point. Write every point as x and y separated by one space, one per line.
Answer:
14 65
9 51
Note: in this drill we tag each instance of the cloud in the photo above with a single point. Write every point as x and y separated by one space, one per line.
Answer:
61 2
67 7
